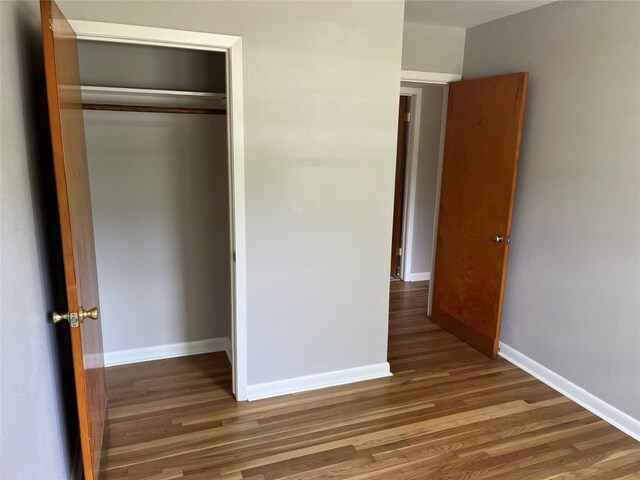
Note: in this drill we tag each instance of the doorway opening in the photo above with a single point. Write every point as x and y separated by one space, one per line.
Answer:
423 138
155 123
173 99
473 206
420 121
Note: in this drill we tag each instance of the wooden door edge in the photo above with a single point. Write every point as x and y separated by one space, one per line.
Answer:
47 10
524 76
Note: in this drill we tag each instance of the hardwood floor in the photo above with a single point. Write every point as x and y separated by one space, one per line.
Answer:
447 413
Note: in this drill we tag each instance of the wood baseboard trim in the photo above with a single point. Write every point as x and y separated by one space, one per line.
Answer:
595 405
135 355
417 277
321 380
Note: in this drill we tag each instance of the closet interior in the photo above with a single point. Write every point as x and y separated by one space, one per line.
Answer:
156 134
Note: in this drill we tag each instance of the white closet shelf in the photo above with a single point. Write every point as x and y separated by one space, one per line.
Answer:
151 97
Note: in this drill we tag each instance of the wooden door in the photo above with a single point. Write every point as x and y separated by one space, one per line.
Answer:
76 225
481 151
398 201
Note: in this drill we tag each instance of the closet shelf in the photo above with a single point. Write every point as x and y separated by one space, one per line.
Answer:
151 99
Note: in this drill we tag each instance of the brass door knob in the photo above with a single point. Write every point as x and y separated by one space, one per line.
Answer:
71 317
75 318
92 313
58 317
501 239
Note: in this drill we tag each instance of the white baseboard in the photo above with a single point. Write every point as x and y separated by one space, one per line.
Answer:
595 405
417 277
123 357
321 380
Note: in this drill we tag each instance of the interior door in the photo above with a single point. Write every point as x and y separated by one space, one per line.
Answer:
480 165
76 225
398 196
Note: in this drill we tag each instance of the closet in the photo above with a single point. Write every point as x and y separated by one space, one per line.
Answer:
157 148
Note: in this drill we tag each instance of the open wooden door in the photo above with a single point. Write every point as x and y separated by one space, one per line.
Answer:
398 195
480 165
76 226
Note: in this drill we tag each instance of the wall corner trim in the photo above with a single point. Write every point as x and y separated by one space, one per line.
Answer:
417 277
595 405
158 352
320 380
228 349
429 77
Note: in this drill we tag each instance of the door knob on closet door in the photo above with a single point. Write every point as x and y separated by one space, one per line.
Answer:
501 239
75 319
92 313
57 317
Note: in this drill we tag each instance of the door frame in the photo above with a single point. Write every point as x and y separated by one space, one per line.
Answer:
433 78
232 47
411 159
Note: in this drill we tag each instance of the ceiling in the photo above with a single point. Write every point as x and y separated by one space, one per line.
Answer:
465 13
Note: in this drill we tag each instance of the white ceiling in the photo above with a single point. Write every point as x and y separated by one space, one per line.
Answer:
465 13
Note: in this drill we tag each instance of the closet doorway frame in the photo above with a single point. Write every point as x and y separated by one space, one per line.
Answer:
232 47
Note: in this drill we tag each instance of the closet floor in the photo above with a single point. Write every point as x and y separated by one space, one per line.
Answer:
448 412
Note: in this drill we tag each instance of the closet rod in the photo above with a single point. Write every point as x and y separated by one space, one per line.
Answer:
149 109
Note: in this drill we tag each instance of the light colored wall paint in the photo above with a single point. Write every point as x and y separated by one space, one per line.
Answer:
573 291
35 442
159 193
143 66
431 48
426 180
319 150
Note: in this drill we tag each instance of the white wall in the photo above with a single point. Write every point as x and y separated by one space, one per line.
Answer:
431 48
143 66
426 178
38 420
319 149
573 291
159 192
160 198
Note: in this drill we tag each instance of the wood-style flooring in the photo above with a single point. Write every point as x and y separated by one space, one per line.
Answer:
447 413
